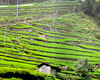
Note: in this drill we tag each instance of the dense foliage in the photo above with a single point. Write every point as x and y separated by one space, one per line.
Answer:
62 76
25 74
88 6
92 8
82 68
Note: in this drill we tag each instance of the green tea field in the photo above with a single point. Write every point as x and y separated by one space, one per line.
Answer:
52 33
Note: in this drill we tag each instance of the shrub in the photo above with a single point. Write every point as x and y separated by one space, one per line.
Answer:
96 9
82 68
88 6
24 74
61 76
97 36
49 78
91 7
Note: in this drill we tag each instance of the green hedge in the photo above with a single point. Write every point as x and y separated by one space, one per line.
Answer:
25 74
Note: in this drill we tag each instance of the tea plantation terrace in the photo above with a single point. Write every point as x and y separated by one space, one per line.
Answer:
32 42
24 49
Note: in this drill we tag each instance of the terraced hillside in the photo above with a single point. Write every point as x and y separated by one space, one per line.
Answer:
59 41
36 11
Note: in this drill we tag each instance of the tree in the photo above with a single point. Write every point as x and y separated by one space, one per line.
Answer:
88 6
82 68
96 9
92 8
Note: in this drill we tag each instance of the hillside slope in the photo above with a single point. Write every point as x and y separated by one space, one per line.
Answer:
26 46
60 41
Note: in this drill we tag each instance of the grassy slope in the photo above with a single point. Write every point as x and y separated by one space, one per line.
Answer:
74 39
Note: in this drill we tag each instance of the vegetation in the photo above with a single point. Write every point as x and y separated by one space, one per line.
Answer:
61 76
50 32
82 68
92 8
88 7
24 74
